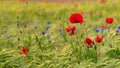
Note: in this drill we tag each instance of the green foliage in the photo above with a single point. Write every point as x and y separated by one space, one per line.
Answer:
114 53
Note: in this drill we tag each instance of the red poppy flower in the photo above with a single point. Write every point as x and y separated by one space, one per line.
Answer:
73 28
73 33
99 39
88 41
68 29
24 51
109 20
76 18
102 1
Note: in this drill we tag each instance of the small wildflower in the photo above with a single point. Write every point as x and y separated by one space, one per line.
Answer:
60 31
48 27
43 33
97 31
24 51
35 26
118 27
49 22
117 31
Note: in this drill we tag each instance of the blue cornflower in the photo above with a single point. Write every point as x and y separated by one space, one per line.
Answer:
97 31
49 22
48 27
60 31
117 31
118 27
43 33
35 26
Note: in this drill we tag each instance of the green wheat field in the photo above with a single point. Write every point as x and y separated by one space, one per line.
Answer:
33 35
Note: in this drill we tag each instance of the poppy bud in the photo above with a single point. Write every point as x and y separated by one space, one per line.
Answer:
88 41
24 51
72 33
73 28
68 29
99 39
